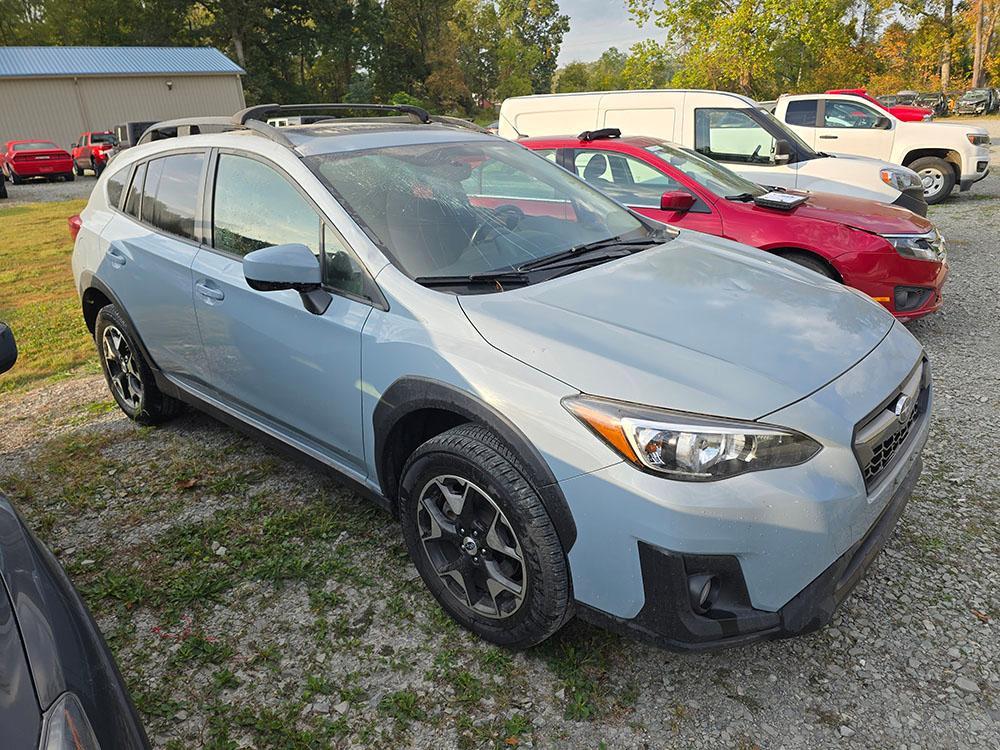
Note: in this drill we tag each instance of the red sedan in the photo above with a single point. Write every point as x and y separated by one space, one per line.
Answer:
23 160
889 253
904 112
91 151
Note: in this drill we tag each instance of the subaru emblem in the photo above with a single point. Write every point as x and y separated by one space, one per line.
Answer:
903 408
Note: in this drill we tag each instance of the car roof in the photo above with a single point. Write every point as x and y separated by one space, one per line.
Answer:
638 141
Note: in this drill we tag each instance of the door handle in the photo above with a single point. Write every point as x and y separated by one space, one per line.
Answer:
210 292
117 257
830 137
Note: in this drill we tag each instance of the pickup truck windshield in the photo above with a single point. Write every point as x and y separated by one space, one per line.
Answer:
471 207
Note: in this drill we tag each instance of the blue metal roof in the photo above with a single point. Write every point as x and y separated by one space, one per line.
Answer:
55 62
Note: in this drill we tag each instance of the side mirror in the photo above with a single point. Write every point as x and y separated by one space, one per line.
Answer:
782 151
677 200
281 267
8 348
883 123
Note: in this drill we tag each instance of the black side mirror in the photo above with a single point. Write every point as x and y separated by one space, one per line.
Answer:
782 151
8 348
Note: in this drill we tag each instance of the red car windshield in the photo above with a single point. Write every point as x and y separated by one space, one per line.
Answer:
34 146
707 173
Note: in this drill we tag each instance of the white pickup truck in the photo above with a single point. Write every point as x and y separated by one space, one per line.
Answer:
728 128
943 154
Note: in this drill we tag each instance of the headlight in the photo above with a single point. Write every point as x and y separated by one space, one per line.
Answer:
978 139
689 447
900 178
66 726
928 246
927 118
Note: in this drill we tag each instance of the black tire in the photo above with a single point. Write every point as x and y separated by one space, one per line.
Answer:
15 179
812 263
77 169
128 376
937 175
494 479
69 177
3 187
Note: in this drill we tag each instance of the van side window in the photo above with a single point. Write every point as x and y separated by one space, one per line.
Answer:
731 135
116 186
801 112
171 193
256 207
134 199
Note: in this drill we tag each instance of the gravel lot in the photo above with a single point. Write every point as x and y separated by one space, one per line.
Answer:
47 192
252 602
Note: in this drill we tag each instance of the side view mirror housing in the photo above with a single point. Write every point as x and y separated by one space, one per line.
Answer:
8 348
782 151
883 123
281 267
677 200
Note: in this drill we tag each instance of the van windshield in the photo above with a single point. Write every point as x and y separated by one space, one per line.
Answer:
472 207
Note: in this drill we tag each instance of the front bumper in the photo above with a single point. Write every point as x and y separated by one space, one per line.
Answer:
772 534
881 274
913 200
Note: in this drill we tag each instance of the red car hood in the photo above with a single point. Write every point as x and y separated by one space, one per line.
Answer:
906 113
870 216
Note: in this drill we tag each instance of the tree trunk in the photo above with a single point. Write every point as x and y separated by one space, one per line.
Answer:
946 49
977 60
238 49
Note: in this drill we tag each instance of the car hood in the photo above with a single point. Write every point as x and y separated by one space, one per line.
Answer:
953 130
869 216
910 113
698 324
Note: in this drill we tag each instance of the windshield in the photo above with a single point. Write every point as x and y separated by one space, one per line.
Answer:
34 146
707 173
461 208
777 127
975 94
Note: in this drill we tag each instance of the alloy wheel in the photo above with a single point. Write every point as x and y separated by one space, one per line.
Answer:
471 546
123 367
932 180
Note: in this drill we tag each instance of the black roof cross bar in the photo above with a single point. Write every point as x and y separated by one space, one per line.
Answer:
261 112
193 126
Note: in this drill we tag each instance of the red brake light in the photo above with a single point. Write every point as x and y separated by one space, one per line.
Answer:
75 223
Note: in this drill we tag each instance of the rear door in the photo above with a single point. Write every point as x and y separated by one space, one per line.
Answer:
147 262
846 126
293 372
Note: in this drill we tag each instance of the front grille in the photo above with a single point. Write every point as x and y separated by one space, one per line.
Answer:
879 437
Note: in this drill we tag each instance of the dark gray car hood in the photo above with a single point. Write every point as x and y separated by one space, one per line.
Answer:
698 324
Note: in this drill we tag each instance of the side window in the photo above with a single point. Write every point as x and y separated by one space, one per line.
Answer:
171 193
841 113
625 178
116 186
256 207
731 135
134 199
801 112
497 179
341 269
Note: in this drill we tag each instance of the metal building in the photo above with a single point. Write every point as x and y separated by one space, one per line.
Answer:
56 93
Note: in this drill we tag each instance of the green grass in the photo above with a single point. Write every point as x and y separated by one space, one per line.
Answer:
38 299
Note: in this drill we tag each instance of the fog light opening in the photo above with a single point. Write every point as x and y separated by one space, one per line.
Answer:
703 589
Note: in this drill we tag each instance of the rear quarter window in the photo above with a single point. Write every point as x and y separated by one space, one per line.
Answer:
116 186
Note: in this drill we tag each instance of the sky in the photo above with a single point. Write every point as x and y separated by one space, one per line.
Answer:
596 25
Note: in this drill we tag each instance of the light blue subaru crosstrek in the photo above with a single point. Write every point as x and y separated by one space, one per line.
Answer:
572 409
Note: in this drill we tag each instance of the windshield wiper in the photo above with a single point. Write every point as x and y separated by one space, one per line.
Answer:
557 260
487 277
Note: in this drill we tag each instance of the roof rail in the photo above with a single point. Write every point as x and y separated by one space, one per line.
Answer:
261 112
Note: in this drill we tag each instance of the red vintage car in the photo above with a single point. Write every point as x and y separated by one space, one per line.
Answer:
91 151
889 253
24 160
904 112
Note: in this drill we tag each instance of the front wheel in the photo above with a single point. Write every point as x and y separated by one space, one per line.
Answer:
77 169
937 177
811 262
482 540
128 376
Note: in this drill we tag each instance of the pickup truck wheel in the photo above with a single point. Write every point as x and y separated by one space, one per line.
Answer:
128 376
937 176
481 539
77 170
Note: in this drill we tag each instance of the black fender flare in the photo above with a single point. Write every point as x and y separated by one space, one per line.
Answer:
412 393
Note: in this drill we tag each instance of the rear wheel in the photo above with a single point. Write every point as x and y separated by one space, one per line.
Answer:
812 263
937 177
481 539
15 179
128 376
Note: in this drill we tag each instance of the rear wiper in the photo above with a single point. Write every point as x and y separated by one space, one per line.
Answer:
556 260
487 277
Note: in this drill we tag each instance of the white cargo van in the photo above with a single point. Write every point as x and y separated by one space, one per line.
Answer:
729 128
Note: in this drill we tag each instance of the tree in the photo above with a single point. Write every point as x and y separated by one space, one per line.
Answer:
539 27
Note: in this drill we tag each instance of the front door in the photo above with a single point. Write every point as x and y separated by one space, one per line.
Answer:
638 185
850 127
296 372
